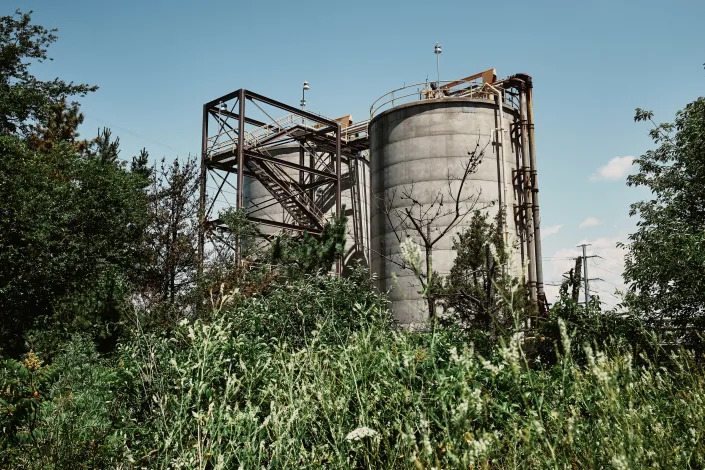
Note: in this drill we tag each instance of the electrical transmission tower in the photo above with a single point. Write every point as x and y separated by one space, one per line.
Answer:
586 279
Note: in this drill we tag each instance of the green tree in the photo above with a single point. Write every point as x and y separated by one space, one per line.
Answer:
665 263
25 101
172 232
480 293
306 254
61 126
72 227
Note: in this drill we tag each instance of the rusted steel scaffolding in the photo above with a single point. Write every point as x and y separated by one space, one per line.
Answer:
236 145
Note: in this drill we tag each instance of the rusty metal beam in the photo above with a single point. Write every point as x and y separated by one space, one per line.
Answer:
291 109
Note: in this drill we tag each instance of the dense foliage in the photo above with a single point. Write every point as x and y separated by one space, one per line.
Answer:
26 101
480 293
229 393
666 261
71 225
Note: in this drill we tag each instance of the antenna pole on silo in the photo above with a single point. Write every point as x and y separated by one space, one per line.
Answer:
437 50
305 87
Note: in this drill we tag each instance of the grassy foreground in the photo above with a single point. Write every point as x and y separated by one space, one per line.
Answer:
222 394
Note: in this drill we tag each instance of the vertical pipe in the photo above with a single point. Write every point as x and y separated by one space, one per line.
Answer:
503 177
586 282
338 186
202 179
535 200
240 165
526 182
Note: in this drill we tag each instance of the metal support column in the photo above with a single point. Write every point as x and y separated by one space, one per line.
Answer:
202 180
240 166
338 187
301 163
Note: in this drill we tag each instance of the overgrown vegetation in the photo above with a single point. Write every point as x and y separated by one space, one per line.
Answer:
667 253
255 388
116 354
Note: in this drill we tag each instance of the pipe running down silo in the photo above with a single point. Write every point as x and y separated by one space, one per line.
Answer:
540 294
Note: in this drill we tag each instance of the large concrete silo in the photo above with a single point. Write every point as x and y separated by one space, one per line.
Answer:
415 147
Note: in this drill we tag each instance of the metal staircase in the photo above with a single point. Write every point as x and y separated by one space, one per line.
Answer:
287 192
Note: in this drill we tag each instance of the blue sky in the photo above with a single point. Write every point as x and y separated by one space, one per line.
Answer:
157 62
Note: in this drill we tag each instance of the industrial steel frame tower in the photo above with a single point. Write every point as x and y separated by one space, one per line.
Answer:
235 144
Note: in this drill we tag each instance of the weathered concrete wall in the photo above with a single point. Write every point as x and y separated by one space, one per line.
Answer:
420 143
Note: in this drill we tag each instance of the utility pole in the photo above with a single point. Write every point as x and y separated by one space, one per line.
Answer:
586 279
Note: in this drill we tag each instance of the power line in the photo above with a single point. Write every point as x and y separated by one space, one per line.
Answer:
608 260
605 293
609 282
607 270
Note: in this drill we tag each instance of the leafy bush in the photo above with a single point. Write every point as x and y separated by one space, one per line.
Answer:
593 327
64 414
313 376
293 310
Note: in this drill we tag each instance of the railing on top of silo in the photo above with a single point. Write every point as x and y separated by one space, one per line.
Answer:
464 88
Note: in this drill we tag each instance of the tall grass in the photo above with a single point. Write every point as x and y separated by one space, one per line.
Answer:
337 387
391 399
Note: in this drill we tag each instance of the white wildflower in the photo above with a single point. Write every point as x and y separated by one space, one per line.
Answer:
411 253
462 408
360 433
511 353
494 369
479 447
454 355
619 462
538 426
477 396
657 429
565 338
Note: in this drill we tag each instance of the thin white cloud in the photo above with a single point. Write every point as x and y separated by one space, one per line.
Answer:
616 169
550 230
590 222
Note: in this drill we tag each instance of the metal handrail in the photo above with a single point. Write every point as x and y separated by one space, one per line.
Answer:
463 89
